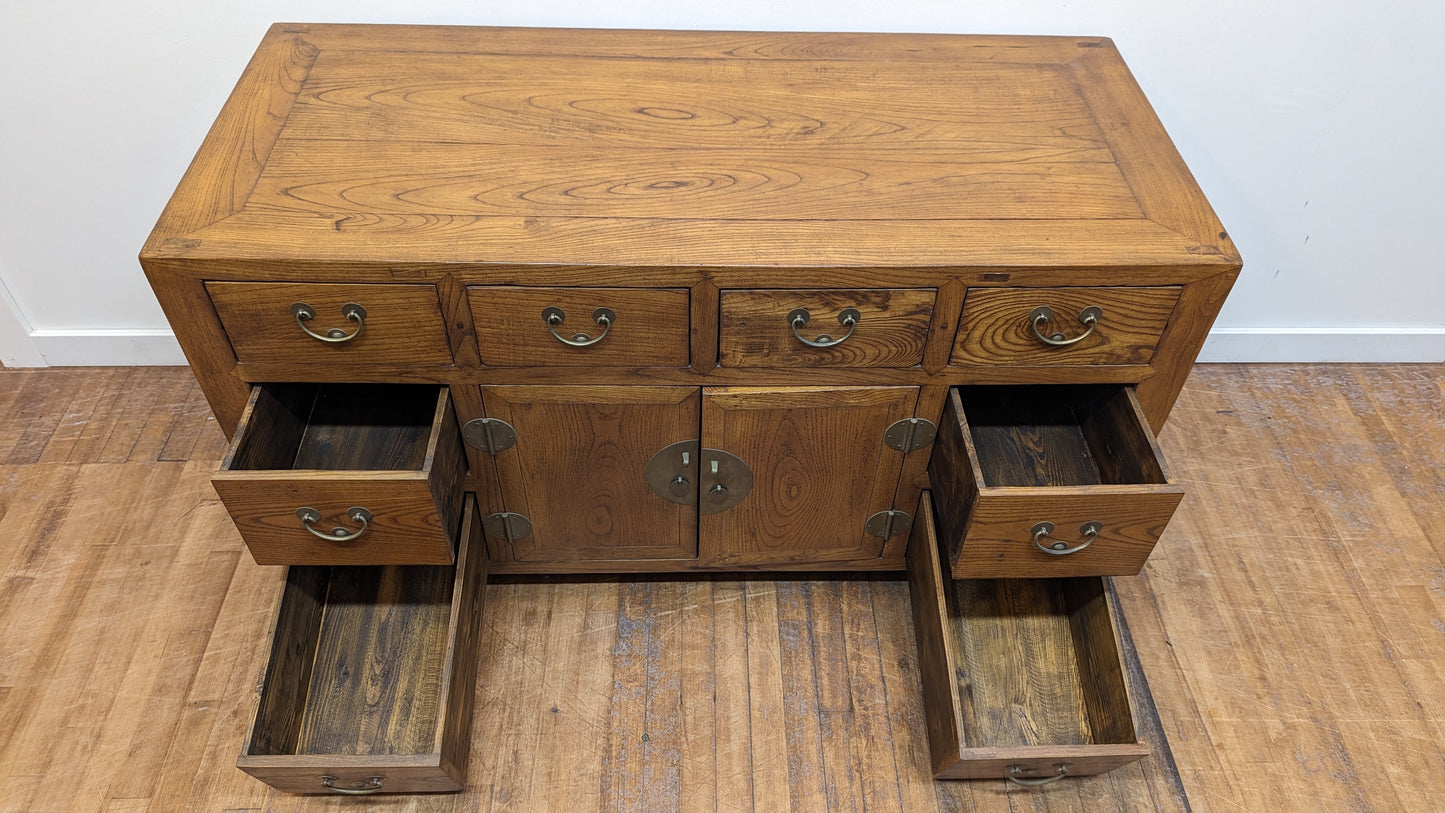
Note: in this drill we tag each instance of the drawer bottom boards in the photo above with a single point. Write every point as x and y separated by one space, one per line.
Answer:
1022 678
372 676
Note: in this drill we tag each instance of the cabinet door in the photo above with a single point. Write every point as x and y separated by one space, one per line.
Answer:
576 472
820 469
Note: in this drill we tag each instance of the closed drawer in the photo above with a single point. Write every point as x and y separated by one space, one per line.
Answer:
1022 678
372 677
374 325
306 457
1045 481
874 327
1008 325
580 327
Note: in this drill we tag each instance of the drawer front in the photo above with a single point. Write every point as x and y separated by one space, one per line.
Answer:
372 677
1043 498
824 328
1022 678
397 325
411 514
1001 325
580 327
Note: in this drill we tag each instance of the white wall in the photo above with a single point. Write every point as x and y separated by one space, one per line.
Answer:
1316 127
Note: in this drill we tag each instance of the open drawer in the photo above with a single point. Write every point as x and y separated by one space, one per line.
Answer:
327 474
1022 679
372 677
1042 481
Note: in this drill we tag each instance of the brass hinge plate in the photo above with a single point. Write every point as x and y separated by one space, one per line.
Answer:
491 435
909 434
507 526
888 524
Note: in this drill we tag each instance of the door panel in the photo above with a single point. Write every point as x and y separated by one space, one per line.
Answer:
576 472
820 469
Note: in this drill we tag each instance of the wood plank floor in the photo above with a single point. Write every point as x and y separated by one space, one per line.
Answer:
1291 625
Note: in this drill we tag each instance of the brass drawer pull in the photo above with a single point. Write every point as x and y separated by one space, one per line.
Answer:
1017 775
371 785
1089 529
602 316
1089 317
305 313
848 318
310 516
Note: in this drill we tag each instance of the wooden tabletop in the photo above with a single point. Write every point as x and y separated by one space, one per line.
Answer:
399 144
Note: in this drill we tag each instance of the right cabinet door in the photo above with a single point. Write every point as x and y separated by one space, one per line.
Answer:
820 470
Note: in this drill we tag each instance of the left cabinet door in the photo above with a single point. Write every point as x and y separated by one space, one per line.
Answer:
576 472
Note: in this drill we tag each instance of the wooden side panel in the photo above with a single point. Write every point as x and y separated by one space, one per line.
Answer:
464 637
937 660
270 429
277 722
650 329
996 326
820 469
1096 647
577 469
893 325
403 324
446 463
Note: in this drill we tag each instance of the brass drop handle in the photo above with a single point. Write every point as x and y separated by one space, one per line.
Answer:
848 318
1088 317
1017 774
305 313
310 516
371 785
1058 547
604 317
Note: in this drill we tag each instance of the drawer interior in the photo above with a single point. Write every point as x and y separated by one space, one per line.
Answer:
337 427
1037 663
356 663
1056 435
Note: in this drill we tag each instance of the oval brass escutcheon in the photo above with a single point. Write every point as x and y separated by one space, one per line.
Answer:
687 474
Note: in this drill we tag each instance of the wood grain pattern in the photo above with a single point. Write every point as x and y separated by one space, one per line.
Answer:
754 330
577 471
651 328
403 324
685 150
395 451
996 329
820 469
370 675
133 622
1009 458
1015 672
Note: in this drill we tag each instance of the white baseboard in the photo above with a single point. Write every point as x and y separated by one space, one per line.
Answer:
16 348
104 348
107 348
1385 345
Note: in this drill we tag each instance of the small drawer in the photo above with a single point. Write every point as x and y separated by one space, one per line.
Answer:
874 327
1023 679
580 327
372 677
306 457
314 323
1022 326
1044 481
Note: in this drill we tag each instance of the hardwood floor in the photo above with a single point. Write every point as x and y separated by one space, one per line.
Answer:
1291 625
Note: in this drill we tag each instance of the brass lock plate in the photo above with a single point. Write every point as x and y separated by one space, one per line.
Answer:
711 479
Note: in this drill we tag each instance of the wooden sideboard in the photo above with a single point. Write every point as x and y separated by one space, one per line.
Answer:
473 301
